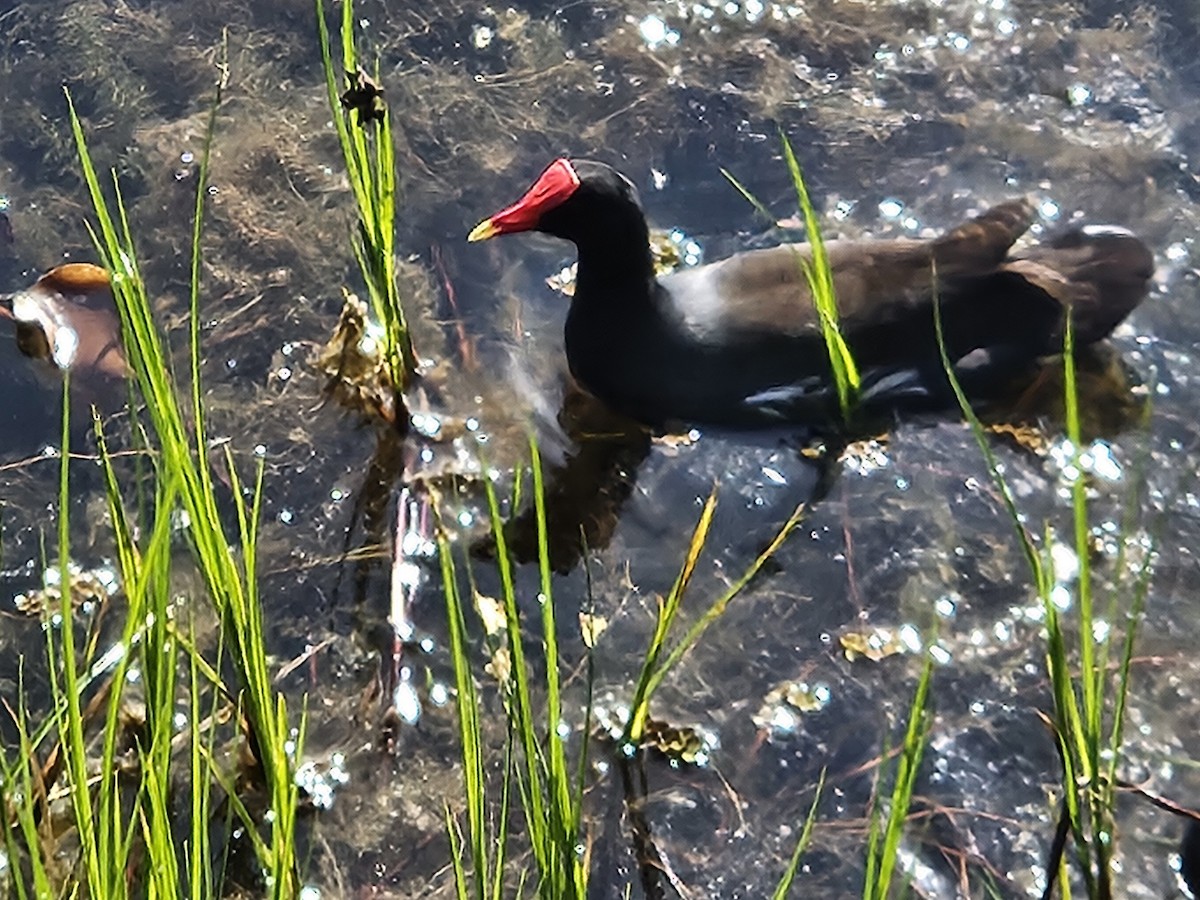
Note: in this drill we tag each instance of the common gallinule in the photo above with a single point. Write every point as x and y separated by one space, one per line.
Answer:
737 342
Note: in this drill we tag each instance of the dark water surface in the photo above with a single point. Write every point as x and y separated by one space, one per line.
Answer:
907 117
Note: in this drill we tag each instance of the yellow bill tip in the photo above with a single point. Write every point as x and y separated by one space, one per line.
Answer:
483 231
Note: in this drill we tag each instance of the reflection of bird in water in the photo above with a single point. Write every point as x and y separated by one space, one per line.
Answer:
738 342
586 490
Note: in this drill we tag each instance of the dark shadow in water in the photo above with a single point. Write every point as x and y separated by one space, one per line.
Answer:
1108 402
585 494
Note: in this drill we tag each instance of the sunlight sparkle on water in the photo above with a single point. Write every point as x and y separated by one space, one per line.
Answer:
320 783
481 37
655 33
910 637
1064 562
690 251
428 425
1079 94
773 475
405 701
1061 597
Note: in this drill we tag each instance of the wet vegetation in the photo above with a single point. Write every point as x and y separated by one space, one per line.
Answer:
257 642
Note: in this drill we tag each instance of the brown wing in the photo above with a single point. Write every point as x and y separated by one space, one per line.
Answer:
876 282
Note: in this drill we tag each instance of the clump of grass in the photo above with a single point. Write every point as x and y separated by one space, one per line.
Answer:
883 843
655 666
1089 707
550 790
789 874
184 478
819 277
125 837
365 136
550 796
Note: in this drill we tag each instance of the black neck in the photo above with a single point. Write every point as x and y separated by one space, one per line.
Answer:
617 263
613 241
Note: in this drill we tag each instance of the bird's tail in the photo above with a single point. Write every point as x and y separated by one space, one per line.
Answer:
1099 272
983 242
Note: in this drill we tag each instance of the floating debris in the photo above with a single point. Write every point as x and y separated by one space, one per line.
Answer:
365 97
880 643
68 318
1026 437
670 250
591 627
352 361
89 588
782 707
681 745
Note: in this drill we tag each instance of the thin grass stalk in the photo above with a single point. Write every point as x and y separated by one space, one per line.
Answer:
718 606
1068 730
470 735
146 576
907 767
1090 728
520 679
589 708
819 276
532 783
1032 559
1141 589
544 780
789 874
1092 676
201 881
33 846
67 687
653 671
199 418
499 857
639 706
566 813
1089 778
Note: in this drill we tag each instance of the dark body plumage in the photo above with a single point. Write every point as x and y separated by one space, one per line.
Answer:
737 342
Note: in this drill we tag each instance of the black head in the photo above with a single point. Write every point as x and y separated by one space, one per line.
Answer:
573 199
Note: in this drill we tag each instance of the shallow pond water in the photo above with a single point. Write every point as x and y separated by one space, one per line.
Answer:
907 116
